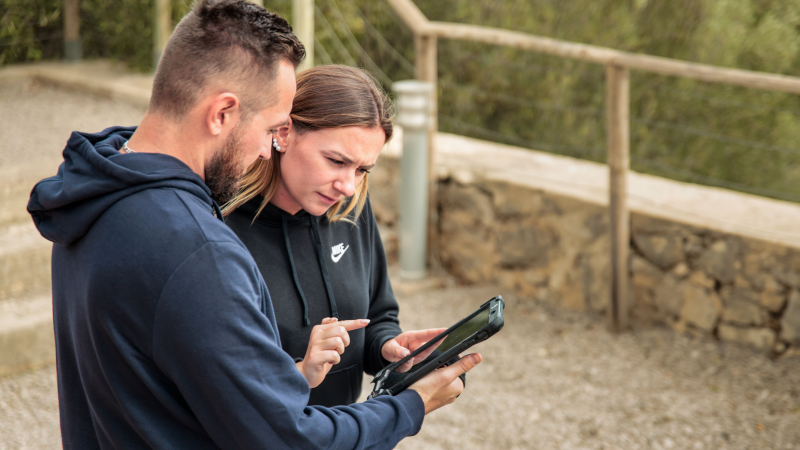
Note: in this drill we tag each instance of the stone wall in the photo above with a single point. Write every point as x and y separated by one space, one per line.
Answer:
555 248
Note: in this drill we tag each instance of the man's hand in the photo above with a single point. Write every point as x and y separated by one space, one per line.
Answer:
405 343
326 344
442 386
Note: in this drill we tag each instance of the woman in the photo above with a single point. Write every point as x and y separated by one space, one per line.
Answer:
305 216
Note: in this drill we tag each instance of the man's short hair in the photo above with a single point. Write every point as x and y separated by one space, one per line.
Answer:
223 44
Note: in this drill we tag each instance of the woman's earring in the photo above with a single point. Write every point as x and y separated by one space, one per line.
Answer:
275 144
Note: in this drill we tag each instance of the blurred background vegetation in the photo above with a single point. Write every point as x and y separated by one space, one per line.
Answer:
737 138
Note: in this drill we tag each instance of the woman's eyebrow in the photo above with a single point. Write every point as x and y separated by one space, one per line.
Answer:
349 161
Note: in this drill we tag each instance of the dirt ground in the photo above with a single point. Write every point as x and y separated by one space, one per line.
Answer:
551 379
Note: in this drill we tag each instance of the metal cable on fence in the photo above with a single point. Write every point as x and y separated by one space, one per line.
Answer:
520 102
634 119
520 140
715 136
379 37
323 52
545 146
354 43
718 182
723 102
337 42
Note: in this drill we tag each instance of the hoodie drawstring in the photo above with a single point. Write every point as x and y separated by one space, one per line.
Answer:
324 267
294 270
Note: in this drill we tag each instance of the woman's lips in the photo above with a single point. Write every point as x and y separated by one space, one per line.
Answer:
326 199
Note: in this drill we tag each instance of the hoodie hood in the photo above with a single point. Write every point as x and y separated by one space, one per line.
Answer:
95 175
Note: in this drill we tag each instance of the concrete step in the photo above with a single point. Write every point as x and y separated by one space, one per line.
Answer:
26 334
24 261
16 183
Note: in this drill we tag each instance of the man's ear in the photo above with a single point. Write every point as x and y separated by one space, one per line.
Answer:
224 114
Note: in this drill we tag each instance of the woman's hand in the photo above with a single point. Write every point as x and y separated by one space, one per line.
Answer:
326 344
405 343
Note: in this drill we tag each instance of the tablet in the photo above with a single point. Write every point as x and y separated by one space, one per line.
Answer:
475 328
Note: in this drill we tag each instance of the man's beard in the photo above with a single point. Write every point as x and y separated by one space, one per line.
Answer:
225 170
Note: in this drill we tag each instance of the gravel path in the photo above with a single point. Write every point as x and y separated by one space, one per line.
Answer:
550 380
37 119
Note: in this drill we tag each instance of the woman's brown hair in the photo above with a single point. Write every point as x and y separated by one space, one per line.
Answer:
332 96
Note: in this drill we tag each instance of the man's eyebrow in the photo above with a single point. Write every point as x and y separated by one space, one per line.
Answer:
349 161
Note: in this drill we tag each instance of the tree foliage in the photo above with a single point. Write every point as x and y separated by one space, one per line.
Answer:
687 130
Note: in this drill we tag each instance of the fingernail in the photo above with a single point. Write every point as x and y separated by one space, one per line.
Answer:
364 321
476 358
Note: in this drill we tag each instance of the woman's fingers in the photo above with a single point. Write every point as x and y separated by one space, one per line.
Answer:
335 332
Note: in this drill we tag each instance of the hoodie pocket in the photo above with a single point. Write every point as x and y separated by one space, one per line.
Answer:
340 387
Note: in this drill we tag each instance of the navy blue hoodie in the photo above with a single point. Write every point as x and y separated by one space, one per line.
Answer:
165 333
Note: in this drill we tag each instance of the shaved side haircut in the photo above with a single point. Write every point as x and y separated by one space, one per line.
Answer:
223 45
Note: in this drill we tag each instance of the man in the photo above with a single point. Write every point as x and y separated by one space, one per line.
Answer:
165 334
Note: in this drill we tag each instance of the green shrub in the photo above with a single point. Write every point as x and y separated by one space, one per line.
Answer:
720 135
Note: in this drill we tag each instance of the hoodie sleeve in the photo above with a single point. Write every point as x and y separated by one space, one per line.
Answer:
383 308
212 340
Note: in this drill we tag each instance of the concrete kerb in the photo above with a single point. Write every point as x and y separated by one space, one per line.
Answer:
98 77
26 334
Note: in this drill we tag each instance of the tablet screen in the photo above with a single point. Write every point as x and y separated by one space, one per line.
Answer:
462 332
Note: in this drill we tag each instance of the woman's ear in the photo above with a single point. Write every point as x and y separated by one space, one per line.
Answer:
282 135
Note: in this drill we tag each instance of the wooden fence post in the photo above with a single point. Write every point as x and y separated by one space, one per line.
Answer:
426 70
72 30
303 24
162 29
618 141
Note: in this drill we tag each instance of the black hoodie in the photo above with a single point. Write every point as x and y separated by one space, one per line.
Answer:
165 333
317 269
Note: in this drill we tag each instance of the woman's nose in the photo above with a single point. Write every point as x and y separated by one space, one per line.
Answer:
346 185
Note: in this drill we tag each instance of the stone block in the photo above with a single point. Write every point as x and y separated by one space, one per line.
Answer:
772 298
721 260
515 200
468 252
700 307
662 250
742 307
790 322
521 244
670 296
699 278
383 190
786 275
597 225
595 271
693 245
681 270
465 206
760 338
645 278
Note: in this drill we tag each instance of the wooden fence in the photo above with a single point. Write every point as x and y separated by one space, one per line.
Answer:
618 65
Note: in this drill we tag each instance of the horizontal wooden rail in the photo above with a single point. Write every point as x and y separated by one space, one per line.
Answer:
607 56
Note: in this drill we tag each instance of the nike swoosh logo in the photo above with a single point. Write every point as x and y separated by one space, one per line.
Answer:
336 257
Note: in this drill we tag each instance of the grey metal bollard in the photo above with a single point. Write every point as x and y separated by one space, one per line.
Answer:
413 114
